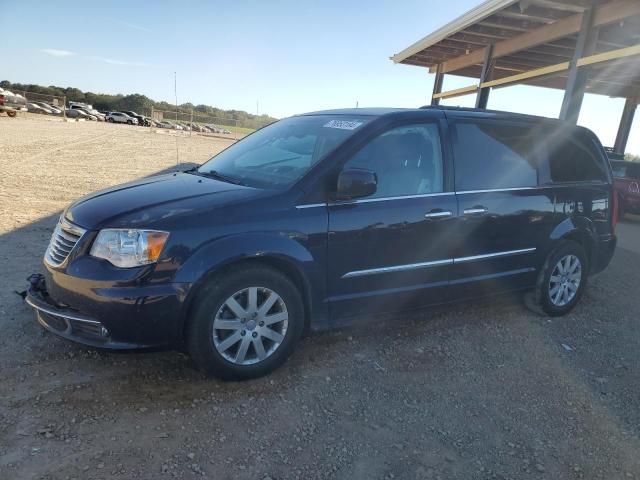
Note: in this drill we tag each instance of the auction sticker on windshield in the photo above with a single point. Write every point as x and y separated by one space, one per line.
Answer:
343 124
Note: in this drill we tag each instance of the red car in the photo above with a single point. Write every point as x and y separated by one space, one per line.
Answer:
627 186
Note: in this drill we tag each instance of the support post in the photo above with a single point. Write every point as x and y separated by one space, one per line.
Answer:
577 79
482 97
626 121
437 85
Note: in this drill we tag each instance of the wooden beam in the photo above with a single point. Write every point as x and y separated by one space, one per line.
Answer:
482 97
536 14
624 128
577 79
576 7
559 67
610 55
437 86
603 15
458 92
538 72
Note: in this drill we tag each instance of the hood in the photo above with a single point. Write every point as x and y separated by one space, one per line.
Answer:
142 203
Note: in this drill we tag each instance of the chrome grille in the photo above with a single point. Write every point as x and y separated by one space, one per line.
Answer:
64 239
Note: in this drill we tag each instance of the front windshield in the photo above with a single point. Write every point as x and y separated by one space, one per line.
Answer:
281 153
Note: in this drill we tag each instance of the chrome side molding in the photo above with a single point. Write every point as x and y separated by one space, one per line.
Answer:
397 268
508 253
436 263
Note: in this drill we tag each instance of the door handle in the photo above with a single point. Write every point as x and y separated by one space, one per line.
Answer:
438 214
479 210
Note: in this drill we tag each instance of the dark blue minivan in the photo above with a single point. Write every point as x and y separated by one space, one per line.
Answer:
322 217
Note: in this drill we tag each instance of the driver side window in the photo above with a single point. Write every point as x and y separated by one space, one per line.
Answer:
407 161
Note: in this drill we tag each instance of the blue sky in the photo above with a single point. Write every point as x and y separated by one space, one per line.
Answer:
287 56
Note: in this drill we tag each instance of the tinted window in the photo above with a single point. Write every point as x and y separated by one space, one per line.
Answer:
573 156
626 169
619 169
407 161
492 155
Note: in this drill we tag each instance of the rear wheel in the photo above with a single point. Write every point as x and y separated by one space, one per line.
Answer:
562 280
245 324
12 113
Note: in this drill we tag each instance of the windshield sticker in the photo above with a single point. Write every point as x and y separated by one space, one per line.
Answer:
343 124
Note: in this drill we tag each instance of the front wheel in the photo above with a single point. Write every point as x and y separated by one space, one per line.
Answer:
129 122
11 113
563 279
110 120
245 324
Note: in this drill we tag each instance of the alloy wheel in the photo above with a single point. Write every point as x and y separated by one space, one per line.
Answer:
565 280
250 325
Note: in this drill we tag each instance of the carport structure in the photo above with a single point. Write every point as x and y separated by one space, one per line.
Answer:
579 46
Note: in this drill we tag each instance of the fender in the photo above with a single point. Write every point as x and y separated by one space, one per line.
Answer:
282 248
575 226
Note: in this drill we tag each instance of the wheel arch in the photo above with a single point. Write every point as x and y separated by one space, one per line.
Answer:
290 260
579 230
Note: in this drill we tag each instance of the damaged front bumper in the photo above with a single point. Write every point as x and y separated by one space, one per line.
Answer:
69 323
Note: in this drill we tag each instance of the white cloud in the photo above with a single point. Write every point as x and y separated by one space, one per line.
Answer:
133 26
126 63
57 53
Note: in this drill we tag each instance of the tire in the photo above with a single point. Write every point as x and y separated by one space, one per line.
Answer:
217 351
110 120
12 114
554 302
129 122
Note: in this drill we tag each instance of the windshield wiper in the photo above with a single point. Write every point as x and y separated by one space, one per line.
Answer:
219 176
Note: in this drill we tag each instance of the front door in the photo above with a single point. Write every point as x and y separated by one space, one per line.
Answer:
391 251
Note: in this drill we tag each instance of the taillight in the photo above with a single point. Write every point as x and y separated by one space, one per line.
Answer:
614 212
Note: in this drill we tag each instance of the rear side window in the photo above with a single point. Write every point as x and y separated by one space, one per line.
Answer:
619 169
573 156
624 169
494 155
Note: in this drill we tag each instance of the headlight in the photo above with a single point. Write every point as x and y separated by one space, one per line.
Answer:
129 248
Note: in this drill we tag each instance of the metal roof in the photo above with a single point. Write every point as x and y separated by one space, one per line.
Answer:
529 35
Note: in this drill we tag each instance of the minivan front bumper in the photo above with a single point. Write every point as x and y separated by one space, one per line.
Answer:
107 315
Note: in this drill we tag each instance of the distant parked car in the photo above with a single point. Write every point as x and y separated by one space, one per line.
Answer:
89 110
90 116
119 117
626 181
142 120
51 108
34 108
77 113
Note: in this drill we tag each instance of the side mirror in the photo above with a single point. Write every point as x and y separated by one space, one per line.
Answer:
356 183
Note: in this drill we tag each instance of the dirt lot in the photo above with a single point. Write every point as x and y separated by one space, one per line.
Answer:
487 390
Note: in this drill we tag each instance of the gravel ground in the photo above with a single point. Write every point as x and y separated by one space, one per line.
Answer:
483 390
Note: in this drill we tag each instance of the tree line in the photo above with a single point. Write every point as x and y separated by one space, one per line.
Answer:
138 103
